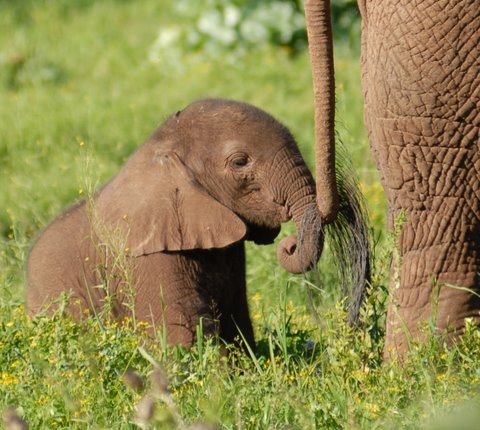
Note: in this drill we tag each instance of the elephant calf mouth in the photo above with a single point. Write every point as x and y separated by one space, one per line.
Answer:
299 254
262 235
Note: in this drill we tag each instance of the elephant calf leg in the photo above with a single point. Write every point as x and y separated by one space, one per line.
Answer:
236 326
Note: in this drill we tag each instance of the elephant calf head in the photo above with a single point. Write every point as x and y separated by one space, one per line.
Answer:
213 174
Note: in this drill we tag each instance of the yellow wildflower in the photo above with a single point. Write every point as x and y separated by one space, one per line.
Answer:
372 408
358 375
143 323
15 364
8 379
256 297
42 400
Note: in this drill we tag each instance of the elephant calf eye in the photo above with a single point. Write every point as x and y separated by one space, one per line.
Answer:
239 162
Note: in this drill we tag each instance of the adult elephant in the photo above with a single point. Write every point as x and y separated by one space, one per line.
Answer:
421 87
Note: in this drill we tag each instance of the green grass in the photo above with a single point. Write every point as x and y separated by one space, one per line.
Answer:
77 96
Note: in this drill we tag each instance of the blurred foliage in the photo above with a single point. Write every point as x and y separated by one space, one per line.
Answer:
232 27
217 26
346 22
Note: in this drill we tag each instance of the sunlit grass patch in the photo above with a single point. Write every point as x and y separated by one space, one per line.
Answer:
67 375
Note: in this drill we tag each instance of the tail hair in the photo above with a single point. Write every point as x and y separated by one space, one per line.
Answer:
350 237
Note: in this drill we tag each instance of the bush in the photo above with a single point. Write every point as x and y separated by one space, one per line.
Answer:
217 27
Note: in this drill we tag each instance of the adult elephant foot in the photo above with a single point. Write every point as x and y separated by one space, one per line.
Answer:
436 277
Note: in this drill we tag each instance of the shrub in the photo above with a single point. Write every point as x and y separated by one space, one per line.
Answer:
218 27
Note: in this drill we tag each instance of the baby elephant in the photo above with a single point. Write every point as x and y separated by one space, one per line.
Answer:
163 240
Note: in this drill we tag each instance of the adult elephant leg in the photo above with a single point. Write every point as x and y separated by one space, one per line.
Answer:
421 83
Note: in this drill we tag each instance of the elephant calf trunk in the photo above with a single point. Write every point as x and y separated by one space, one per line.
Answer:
299 254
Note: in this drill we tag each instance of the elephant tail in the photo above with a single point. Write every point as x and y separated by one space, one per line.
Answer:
350 237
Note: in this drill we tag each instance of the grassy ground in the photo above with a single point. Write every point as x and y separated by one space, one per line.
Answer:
77 95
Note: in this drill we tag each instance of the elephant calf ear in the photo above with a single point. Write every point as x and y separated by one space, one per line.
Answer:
158 206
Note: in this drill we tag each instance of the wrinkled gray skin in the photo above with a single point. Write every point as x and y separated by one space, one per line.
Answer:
421 83
213 175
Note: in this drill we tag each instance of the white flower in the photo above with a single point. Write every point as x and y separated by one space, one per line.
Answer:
166 40
167 36
231 16
211 23
253 31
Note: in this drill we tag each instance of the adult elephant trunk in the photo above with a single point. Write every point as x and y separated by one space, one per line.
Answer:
339 205
319 29
300 254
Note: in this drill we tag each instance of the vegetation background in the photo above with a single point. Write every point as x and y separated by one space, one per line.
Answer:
82 84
